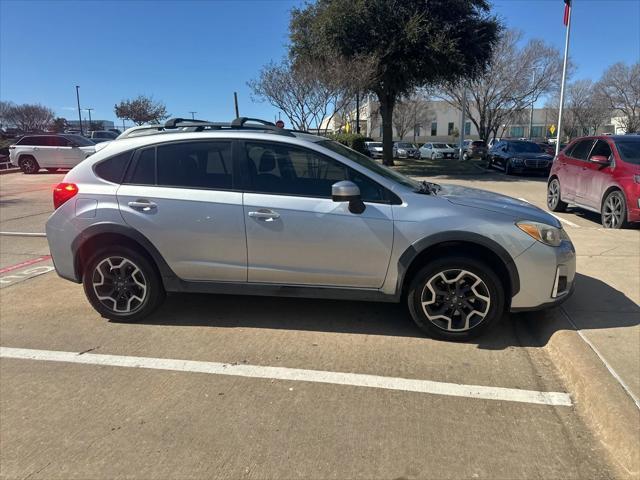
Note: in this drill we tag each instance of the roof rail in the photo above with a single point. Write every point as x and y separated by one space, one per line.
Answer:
176 125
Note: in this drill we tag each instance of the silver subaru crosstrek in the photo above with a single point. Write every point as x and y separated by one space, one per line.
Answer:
249 208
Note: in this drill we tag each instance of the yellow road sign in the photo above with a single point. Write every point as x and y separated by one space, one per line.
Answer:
552 129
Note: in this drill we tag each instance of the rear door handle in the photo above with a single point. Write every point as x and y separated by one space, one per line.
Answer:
143 205
265 214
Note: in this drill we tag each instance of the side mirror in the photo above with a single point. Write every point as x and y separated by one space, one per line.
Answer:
346 191
600 160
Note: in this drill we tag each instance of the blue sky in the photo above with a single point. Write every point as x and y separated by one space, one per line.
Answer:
194 54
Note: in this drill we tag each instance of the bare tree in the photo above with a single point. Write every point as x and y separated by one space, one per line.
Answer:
310 94
514 80
141 110
585 109
411 112
30 117
620 86
5 109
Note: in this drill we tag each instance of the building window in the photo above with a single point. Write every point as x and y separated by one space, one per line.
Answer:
416 130
450 128
434 129
537 132
517 132
467 128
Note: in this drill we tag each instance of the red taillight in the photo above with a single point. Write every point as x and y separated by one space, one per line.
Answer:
63 192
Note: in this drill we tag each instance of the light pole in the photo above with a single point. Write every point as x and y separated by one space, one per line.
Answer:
462 122
193 115
89 110
531 113
79 115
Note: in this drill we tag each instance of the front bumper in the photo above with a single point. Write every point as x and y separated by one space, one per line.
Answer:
547 276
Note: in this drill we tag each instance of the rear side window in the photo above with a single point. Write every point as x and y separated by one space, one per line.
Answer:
143 170
31 141
581 150
196 165
113 168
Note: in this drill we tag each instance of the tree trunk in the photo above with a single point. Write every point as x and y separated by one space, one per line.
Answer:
387 102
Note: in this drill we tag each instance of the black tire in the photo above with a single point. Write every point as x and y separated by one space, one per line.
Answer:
614 210
491 287
152 298
507 168
554 197
28 165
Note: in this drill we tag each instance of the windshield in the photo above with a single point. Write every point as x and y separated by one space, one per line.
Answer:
629 150
405 145
525 147
80 140
440 145
368 163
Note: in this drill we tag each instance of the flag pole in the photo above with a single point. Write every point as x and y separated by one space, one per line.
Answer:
564 77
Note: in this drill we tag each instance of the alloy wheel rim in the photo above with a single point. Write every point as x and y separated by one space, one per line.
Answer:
612 211
119 285
455 300
553 194
28 165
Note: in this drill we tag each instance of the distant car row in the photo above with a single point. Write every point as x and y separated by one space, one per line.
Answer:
33 152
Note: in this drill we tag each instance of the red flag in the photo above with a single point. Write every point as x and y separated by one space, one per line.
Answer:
567 8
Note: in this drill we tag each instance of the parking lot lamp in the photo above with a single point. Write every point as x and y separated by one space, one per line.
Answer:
79 115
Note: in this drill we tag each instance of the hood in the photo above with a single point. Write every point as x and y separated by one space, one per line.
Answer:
494 202
530 155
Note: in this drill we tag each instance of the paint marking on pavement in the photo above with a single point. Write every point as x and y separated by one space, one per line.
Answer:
295 374
23 234
26 263
563 220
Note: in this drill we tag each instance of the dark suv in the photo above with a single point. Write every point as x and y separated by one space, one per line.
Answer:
474 149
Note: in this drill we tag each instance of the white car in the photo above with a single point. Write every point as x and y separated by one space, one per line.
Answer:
437 150
33 152
374 149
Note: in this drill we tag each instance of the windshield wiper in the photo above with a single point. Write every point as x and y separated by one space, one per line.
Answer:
429 188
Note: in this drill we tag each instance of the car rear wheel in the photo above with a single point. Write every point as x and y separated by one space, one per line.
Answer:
28 165
456 298
614 210
122 284
554 200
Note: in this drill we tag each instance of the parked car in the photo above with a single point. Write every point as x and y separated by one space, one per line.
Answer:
405 150
33 152
269 211
102 135
374 149
601 174
437 150
474 149
10 132
518 156
547 148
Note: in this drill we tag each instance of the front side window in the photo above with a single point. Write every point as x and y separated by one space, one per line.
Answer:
196 165
601 148
80 140
289 170
581 150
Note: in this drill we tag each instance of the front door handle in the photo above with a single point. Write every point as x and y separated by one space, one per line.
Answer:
265 214
144 205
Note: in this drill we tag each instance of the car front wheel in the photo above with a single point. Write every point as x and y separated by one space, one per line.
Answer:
122 284
456 298
614 210
554 200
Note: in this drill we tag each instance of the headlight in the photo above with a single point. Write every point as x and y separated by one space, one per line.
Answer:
541 232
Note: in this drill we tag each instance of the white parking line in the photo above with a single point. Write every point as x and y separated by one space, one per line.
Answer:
296 374
563 220
23 234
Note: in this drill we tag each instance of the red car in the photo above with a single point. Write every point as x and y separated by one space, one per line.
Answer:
601 174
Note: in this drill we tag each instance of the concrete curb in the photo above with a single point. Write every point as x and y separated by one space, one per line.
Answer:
9 170
599 399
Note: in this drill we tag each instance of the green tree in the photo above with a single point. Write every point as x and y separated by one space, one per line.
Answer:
411 43
141 110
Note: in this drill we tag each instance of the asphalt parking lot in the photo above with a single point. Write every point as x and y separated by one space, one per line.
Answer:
253 387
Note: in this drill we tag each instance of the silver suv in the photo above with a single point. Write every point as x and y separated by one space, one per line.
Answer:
248 208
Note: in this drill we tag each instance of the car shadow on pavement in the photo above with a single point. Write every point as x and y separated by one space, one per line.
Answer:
492 175
390 319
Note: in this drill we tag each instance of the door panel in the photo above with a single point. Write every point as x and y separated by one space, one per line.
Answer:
315 241
200 233
573 164
594 177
